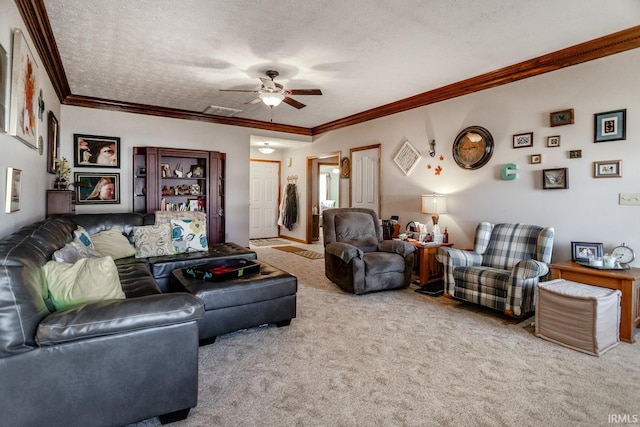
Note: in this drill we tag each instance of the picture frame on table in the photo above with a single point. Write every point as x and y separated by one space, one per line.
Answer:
23 118
53 142
553 141
561 118
14 183
97 188
94 151
555 179
4 90
610 126
584 251
607 169
197 171
522 140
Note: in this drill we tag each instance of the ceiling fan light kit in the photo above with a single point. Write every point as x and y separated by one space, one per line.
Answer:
273 94
272 99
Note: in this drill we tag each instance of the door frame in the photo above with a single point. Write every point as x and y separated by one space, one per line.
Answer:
311 171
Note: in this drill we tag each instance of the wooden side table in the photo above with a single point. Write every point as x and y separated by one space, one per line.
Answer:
60 202
627 281
430 270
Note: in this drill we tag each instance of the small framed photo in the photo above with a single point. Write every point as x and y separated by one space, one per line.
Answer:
610 126
97 188
555 179
166 170
96 151
197 171
141 171
12 203
575 154
553 141
607 169
561 118
523 140
584 251
535 159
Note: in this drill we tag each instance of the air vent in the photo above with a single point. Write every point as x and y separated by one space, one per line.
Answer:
216 110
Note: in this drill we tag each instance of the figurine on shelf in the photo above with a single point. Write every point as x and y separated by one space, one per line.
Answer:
165 191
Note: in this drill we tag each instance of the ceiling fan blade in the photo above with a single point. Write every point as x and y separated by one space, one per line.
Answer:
293 102
237 90
304 91
253 101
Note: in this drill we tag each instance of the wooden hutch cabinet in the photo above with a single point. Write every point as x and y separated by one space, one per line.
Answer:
181 179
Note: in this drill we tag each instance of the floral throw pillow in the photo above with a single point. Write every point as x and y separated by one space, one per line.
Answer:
188 235
153 240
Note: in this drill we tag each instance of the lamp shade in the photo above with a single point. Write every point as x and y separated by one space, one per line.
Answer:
272 99
434 204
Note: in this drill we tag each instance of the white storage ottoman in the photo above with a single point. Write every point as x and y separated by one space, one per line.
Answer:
583 317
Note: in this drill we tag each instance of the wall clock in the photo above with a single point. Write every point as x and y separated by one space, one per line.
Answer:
473 147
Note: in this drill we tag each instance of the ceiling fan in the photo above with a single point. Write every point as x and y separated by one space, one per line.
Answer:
272 93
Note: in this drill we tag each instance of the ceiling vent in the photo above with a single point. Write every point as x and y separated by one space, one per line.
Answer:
216 110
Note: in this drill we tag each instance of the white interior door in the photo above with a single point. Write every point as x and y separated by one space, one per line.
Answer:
365 178
264 178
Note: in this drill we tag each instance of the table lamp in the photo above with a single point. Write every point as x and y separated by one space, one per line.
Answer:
434 204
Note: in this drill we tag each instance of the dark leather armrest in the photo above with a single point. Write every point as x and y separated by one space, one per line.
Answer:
118 316
344 251
396 246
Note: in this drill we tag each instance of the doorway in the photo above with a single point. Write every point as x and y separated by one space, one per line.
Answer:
323 190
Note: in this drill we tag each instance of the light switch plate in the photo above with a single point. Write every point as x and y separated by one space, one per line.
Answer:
629 199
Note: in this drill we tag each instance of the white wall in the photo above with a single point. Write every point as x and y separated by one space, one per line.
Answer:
13 152
587 211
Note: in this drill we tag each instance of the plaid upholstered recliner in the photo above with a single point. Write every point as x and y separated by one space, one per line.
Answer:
507 262
357 258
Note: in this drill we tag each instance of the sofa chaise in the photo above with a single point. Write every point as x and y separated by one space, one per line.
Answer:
110 362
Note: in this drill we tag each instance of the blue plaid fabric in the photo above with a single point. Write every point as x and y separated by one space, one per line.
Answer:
504 268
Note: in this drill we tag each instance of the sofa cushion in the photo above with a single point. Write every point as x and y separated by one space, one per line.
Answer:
113 243
153 240
188 235
89 279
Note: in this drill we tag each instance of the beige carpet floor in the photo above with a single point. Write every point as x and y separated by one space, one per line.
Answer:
400 358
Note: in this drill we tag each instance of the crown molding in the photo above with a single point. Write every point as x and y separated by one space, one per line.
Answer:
35 17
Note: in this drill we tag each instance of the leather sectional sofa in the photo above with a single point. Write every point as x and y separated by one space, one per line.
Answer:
110 362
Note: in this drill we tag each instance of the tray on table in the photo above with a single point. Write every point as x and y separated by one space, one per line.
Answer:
221 270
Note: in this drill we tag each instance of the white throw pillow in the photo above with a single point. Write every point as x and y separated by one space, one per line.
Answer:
89 279
112 243
74 251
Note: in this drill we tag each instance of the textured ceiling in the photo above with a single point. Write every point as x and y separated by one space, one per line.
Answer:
361 53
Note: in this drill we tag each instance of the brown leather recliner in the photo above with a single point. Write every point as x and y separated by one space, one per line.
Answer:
357 258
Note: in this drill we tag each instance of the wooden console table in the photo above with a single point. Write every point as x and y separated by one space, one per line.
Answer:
627 281
431 271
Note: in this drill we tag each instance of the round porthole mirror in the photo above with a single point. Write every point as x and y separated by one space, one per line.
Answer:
473 147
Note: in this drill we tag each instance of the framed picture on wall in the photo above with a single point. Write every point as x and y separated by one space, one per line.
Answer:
97 188
522 140
610 126
12 202
553 141
96 151
24 93
553 179
561 118
53 142
607 169
4 90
